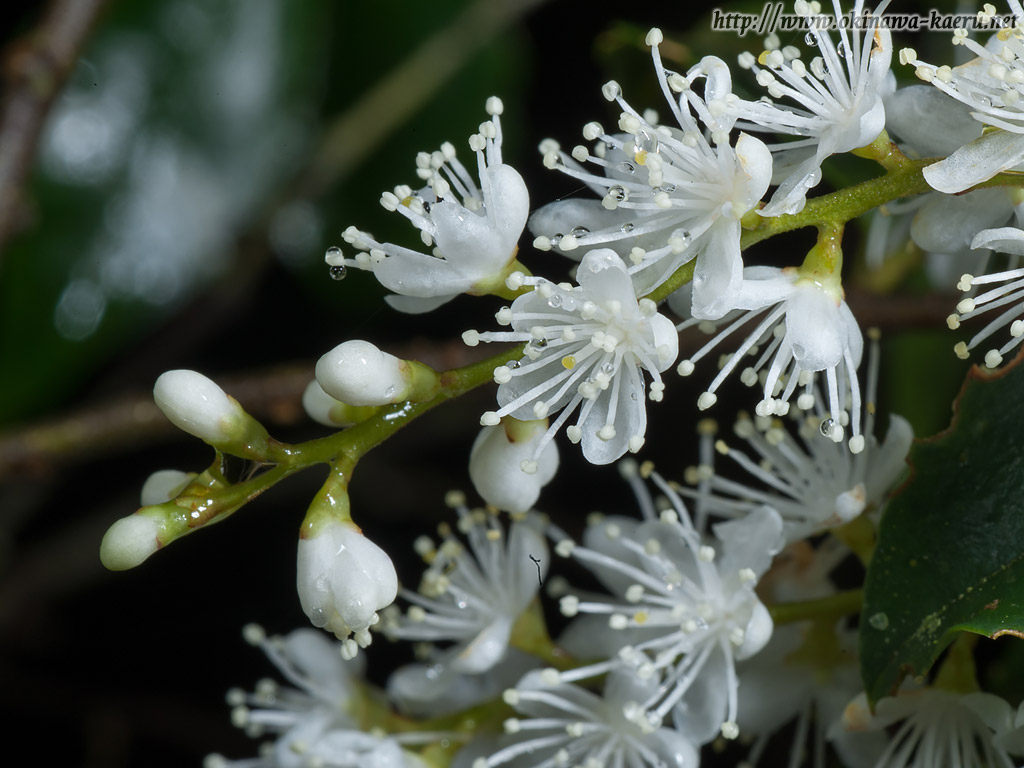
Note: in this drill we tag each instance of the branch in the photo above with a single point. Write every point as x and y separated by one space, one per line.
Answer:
36 68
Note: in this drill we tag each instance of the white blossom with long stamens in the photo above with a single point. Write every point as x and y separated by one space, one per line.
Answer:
475 229
686 607
313 721
469 597
803 328
837 98
812 482
669 196
998 290
939 728
587 348
568 725
991 85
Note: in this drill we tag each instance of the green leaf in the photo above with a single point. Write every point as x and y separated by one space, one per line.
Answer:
950 553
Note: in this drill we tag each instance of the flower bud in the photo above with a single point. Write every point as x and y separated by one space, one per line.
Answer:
343 578
358 373
195 404
129 541
175 504
163 485
326 410
505 466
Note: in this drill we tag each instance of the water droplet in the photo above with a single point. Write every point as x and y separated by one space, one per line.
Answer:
670 188
332 253
810 40
627 227
338 272
879 620
555 301
648 142
826 427
541 343
633 396
579 231
461 605
513 364
556 239
389 392
627 168
607 368
841 49
617 193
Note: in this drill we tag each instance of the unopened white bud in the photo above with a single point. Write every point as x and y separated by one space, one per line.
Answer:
129 541
358 373
501 461
343 578
163 485
195 404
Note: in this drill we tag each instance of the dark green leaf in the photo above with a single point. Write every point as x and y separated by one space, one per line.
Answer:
950 553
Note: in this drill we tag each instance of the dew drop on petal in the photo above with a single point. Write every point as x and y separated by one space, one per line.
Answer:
627 227
826 427
810 40
579 231
338 272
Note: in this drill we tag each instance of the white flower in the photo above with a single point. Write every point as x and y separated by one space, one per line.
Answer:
838 95
470 597
812 482
343 580
939 728
686 609
587 348
928 123
475 230
313 721
1008 292
804 328
669 196
808 676
568 725
196 405
991 85
502 468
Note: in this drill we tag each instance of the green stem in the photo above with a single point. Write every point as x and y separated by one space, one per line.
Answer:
833 606
343 449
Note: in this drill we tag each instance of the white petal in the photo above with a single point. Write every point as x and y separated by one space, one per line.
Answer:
417 305
750 542
946 224
931 123
630 417
815 328
718 272
1004 239
889 460
756 163
976 162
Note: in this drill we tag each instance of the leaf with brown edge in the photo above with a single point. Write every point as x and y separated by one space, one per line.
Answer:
950 552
